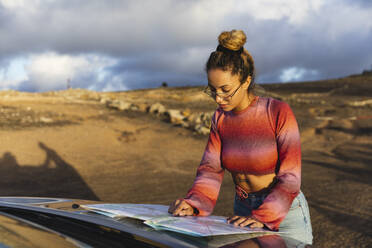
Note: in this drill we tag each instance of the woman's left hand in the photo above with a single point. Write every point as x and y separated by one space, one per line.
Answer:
244 221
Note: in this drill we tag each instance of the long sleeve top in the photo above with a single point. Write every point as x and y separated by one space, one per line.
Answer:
261 139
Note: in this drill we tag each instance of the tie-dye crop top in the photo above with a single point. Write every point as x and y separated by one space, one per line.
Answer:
261 139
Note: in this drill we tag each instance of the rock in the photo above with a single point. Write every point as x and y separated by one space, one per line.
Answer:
194 118
134 107
364 103
206 118
113 104
186 112
326 118
120 105
203 119
202 129
321 112
360 124
157 108
124 105
45 119
105 100
185 124
175 116
143 107
307 101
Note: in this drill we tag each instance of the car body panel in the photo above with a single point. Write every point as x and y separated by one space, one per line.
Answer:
18 233
66 217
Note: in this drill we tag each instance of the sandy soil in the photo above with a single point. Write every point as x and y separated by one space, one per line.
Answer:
50 146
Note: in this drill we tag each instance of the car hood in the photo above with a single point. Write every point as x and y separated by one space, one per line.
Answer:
36 220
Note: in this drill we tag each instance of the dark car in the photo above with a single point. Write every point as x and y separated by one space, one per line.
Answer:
55 222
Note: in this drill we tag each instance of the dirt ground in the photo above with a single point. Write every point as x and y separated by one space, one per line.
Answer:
50 146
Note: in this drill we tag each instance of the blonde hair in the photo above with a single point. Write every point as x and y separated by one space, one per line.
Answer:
233 40
231 55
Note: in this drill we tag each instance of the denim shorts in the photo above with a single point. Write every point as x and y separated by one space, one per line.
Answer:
296 225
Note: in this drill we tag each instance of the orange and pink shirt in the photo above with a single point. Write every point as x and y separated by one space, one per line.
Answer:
261 139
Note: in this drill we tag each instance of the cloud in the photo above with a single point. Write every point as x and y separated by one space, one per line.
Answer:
336 41
295 12
52 71
141 43
296 74
12 73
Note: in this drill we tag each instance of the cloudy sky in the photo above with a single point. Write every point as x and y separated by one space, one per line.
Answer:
128 44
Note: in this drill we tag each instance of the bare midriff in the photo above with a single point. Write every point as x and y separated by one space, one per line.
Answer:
254 183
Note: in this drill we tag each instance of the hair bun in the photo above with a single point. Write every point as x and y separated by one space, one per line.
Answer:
233 40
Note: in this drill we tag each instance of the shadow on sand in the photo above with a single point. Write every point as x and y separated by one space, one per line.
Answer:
53 178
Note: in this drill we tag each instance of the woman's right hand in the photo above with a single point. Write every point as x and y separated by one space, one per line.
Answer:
180 208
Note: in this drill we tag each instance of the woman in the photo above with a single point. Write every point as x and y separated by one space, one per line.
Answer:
257 140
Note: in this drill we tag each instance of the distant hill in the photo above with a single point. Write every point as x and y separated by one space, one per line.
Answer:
359 85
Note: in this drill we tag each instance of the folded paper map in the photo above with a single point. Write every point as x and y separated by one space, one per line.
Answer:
157 216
